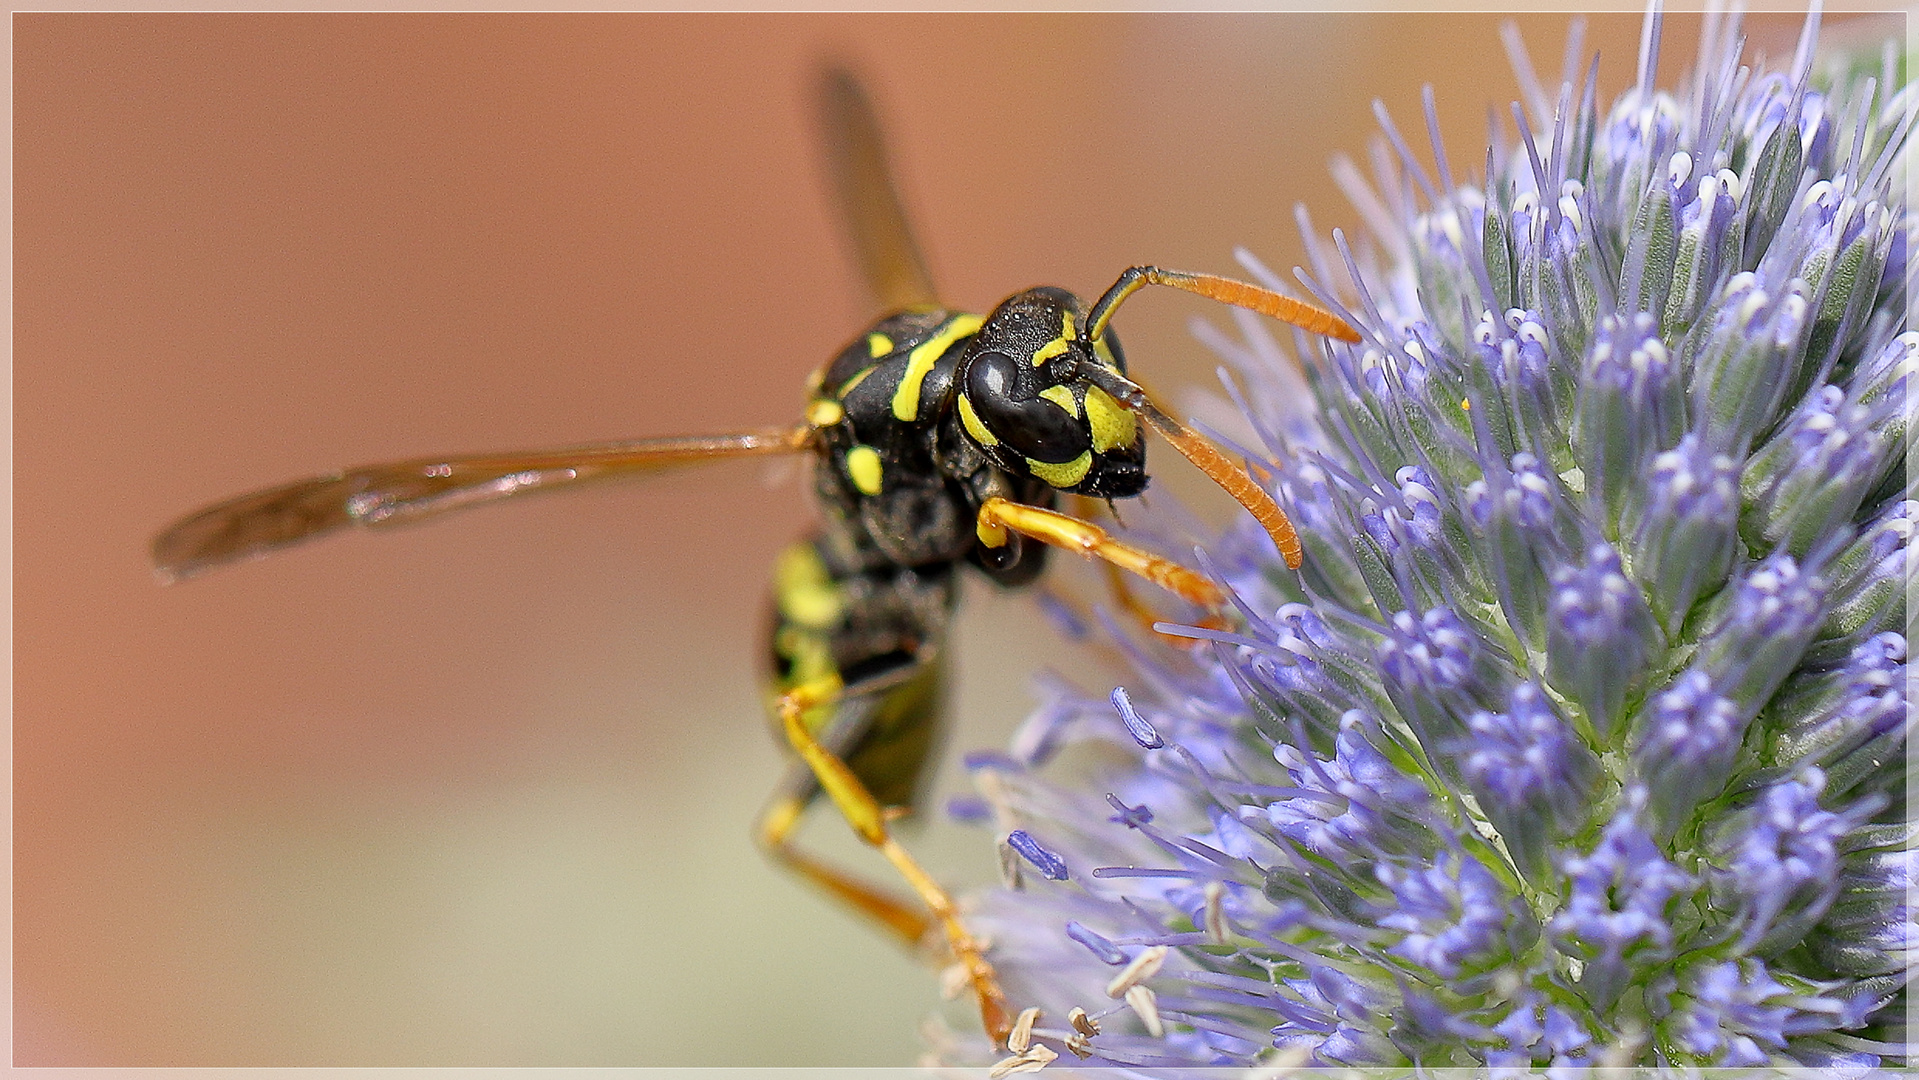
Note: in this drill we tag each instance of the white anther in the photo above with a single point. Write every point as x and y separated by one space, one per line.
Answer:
1142 1001
1679 168
1215 913
1143 967
1569 208
1033 1059
1022 1033
1082 1023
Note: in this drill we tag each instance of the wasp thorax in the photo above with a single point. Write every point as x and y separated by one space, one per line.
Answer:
1025 398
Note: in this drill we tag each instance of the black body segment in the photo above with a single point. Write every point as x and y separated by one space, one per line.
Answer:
899 478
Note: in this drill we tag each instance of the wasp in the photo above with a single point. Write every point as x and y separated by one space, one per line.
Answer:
939 439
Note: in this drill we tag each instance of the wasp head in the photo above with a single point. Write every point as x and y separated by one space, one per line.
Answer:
1026 398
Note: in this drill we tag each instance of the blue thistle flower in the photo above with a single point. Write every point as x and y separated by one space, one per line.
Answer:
1579 738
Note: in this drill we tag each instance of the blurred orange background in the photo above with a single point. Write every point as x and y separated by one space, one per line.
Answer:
479 793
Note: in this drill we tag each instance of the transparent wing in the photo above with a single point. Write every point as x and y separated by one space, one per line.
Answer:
261 522
869 204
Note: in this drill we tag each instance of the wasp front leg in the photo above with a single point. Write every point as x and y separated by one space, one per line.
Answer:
1000 518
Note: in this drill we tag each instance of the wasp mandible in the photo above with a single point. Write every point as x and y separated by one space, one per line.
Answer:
939 438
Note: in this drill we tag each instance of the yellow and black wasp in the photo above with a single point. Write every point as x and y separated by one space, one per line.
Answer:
939 438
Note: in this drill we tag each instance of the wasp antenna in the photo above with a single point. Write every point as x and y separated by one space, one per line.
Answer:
1196 449
1226 290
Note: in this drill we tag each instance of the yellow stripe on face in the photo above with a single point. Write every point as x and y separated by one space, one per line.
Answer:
1059 344
906 399
1051 349
1104 353
863 465
878 345
1062 397
1113 426
970 419
1062 476
824 412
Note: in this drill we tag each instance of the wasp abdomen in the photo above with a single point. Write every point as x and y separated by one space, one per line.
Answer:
877 631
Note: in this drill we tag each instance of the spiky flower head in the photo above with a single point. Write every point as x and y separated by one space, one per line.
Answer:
1579 737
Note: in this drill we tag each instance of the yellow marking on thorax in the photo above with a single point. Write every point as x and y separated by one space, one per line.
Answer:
824 412
804 591
1061 396
858 377
1062 476
863 465
906 399
970 420
1113 426
878 345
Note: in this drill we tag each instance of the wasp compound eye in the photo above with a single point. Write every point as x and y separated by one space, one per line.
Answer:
1043 425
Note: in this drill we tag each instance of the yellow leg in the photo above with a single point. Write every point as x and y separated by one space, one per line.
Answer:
997 516
775 835
868 820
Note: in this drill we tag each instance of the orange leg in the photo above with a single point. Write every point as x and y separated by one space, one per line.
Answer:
868 820
997 517
776 828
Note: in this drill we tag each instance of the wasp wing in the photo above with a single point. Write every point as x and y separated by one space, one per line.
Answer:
869 204
256 524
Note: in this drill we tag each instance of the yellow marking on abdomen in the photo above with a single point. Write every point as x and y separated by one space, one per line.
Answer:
863 465
878 345
1062 476
1113 426
906 399
970 420
1062 397
805 592
824 412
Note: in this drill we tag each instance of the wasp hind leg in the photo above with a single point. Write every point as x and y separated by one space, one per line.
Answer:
777 824
869 821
